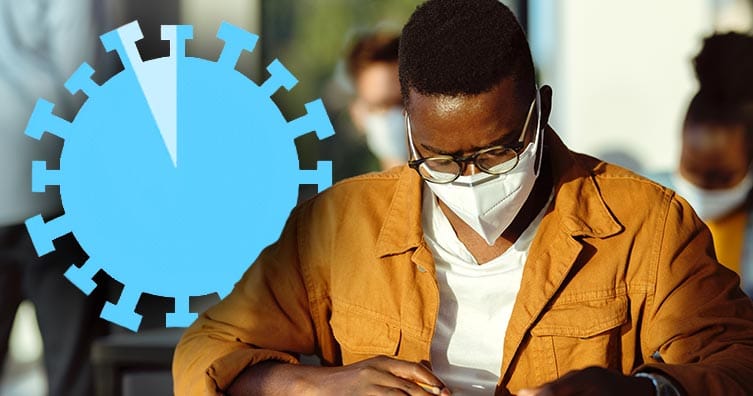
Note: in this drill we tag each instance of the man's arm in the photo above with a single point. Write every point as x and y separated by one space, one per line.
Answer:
376 376
246 344
267 316
697 331
699 324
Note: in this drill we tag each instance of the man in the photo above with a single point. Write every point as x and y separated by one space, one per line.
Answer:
498 262
714 173
377 108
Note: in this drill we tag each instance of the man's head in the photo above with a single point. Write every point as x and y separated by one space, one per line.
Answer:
468 86
456 48
377 106
717 139
466 75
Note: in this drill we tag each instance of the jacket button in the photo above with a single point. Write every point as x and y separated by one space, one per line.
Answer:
420 268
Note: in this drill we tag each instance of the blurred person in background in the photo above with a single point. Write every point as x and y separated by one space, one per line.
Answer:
377 109
714 174
42 42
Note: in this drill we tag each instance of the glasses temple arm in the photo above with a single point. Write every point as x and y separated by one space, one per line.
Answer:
412 147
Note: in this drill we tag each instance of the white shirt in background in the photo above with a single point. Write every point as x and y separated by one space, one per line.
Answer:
41 43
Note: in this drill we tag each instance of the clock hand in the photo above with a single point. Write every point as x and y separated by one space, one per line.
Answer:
159 81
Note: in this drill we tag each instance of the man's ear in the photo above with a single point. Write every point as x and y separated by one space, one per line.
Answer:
545 92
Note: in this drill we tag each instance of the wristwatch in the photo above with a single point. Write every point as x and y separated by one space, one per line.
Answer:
663 386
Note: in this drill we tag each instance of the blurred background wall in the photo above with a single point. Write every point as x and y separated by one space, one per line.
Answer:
622 73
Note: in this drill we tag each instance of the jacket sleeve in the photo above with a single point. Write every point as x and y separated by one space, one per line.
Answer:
267 316
698 328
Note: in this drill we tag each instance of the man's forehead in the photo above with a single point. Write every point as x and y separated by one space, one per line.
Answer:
499 105
449 104
507 91
443 105
446 124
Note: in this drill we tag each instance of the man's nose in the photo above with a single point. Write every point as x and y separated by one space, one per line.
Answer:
470 169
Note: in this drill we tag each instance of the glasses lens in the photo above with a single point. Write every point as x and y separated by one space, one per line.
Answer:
439 170
498 160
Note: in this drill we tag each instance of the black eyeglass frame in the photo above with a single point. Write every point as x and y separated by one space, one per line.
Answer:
416 160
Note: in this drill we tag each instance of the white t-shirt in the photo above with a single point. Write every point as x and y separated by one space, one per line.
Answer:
475 303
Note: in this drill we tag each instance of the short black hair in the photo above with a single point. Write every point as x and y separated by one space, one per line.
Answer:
724 69
455 48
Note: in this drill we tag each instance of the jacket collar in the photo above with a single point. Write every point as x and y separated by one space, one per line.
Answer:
577 203
401 230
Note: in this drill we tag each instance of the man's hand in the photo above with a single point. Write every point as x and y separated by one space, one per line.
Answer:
593 381
380 375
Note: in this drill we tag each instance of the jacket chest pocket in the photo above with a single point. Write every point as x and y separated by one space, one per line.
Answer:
362 335
576 335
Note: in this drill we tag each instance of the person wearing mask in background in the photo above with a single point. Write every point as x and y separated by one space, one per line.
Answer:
497 262
41 43
377 109
714 174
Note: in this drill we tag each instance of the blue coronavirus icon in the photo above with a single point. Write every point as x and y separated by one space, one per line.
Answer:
175 172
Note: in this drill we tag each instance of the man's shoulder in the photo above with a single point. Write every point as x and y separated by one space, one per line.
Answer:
371 179
608 174
358 208
579 173
623 191
371 191
372 183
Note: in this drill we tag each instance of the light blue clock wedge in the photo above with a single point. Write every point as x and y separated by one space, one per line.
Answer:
175 173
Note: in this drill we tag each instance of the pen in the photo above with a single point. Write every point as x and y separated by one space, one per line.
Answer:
434 390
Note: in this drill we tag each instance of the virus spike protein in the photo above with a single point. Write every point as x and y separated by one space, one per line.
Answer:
120 103
280 76
177 35
82 277
81 80
124 312
316 120
321 176
236 40
43 120
123 41
43 233
41 177
182 317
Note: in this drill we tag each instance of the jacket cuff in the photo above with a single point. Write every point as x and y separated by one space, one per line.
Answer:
223 371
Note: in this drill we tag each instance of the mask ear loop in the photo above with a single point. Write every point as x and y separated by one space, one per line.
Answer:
539 138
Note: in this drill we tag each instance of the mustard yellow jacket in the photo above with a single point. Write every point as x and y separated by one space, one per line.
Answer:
621 274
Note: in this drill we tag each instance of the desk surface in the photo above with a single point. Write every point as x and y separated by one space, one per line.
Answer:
150 347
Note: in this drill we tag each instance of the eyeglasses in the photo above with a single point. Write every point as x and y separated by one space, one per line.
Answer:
495 160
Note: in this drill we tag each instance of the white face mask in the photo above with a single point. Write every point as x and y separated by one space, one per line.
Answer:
385 134
490 203
713 204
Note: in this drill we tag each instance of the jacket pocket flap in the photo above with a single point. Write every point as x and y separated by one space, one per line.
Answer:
363 333
582 319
